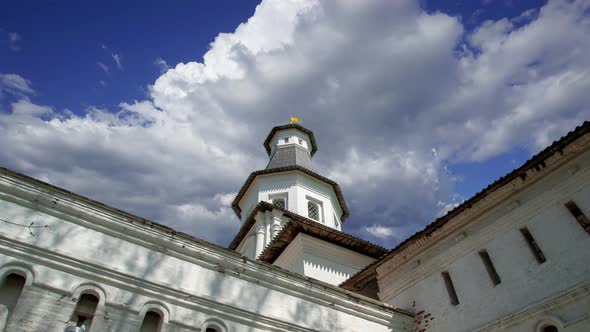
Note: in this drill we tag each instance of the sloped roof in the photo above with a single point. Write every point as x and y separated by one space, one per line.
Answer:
536 162
299 224
273 131
253 175
289 156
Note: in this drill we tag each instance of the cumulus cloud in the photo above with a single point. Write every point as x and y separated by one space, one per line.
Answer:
392 93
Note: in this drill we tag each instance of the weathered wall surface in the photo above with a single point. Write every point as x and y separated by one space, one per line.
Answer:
556 292
133 265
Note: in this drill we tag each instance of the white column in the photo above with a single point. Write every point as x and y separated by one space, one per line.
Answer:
276 224
259 238
267 225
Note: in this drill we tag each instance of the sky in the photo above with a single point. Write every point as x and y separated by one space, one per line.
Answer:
161 108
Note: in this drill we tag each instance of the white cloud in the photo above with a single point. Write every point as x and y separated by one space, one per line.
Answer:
15 84
383 84
14 40
118 60
381 232
162 64
102 66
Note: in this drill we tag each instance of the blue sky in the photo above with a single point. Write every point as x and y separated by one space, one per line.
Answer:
436 98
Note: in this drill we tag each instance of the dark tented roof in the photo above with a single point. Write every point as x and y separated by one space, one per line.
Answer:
273 131
290 155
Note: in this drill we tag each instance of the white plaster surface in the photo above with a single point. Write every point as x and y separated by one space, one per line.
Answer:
299 189
529 291
131 263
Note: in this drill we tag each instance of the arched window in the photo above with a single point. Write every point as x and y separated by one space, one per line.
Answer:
549 328
214 325
152 322
85 311
313 211
213 328
10 291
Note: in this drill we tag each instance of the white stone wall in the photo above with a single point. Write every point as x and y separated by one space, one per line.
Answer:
321 260
294 135
299 188
529 293
133 265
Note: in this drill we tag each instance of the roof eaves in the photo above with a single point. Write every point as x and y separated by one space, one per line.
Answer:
273 131
299 224
235 203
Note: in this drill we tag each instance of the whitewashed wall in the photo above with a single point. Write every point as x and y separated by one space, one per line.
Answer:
530 293
293 135
321 260
130 263
299 188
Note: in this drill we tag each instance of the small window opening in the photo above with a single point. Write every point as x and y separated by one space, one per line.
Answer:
213 328
450 288
85 310
286 140
279 202
487 261
300 141
313 211
533 245
10 291
549 328
152 322
579 215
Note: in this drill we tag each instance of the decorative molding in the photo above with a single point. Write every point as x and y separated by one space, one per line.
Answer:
557 302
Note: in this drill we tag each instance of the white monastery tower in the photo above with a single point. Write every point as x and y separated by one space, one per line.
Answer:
288 189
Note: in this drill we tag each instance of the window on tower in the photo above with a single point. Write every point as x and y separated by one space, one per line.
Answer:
279 202
286 140
313 211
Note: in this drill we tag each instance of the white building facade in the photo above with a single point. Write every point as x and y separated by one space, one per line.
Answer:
512 258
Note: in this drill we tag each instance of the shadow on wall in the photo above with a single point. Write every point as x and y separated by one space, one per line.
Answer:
124 314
